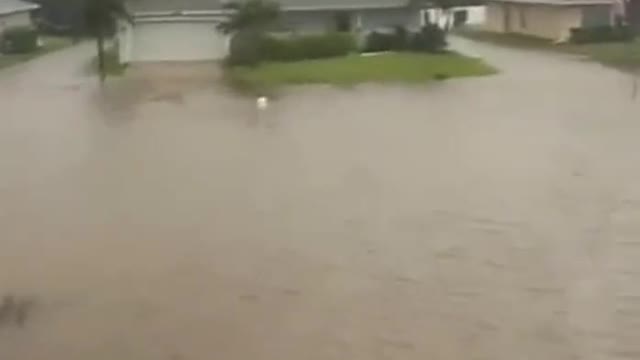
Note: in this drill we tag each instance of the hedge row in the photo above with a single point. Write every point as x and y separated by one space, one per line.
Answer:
604 33
430 39
19 40
251 48
308 47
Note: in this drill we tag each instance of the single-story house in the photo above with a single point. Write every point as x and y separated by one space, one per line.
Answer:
185 30
549 19
15 13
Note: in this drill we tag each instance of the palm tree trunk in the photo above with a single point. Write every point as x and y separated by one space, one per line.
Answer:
101 60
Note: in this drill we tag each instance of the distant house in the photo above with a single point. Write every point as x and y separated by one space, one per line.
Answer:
550 19
15 13
185 30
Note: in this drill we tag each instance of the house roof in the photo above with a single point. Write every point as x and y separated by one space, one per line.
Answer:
155 6
14 6
559 2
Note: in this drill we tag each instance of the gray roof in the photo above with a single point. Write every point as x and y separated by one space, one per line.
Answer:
14 6
138 6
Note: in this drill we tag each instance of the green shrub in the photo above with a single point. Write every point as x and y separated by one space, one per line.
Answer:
430 39
20 40
604 33
249 48
307 47
244 48
396 41
377 41
460 17
400 38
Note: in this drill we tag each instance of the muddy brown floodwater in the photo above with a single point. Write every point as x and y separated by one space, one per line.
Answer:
475 219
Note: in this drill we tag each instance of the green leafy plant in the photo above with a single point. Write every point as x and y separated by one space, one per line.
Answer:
397 40
307 47
19 40
605 33
254 15
247 24
430 39
245 48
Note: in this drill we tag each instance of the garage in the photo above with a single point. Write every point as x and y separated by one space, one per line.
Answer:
176 41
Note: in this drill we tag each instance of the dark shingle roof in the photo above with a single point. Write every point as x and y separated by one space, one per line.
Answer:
202 5
13 6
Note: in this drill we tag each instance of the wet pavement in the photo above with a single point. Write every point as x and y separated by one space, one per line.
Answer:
474 219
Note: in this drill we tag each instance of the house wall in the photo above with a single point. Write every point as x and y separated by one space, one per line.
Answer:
124 41
494 20
476 15
17 19
375 19
546 21
597 15
362 20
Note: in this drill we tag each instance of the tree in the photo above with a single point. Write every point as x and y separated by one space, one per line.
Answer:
247 22
100 17
254 15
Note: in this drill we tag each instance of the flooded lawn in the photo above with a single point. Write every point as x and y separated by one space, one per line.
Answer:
487 218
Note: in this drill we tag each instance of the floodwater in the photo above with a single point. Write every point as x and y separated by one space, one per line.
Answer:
162 219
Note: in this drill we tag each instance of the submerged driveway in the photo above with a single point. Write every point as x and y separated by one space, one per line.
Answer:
488 218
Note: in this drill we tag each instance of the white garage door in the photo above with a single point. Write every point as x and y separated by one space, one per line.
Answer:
177 41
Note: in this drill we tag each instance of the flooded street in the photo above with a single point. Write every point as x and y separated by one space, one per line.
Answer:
474 219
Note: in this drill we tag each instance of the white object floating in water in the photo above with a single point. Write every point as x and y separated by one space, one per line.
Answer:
262 103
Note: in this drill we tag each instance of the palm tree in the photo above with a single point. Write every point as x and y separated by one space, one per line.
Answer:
100 17
255 15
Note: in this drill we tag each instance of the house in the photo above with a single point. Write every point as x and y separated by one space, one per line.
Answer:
475 15
15 13
549 19
185 30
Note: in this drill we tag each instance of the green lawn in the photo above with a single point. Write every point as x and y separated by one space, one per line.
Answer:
621 55
624 56
50 43
355 69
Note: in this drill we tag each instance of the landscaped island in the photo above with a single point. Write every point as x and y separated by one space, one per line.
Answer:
261 58
402 67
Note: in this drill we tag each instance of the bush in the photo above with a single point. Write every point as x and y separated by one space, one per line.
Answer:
20 40
604 33
307 47
244 48
379 41
430 39
460 17
400 38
